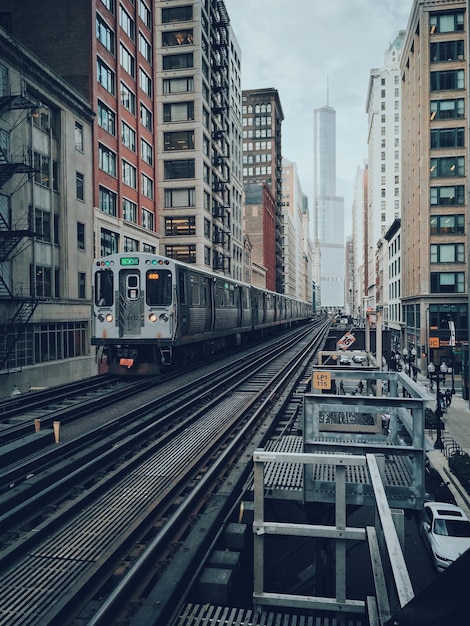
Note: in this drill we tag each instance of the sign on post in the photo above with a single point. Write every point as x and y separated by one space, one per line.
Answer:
346 340
322 380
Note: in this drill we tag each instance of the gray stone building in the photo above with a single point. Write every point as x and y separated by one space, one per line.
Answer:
46 224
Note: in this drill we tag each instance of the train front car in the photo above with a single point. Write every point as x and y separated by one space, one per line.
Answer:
134 309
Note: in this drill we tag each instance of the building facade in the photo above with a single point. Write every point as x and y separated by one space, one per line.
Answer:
262 118
384 158
434 225
46 218
328 210
198 96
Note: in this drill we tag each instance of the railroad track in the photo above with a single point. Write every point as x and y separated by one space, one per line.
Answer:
160 460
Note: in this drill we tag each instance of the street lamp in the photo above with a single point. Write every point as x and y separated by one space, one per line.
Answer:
409 359
438 377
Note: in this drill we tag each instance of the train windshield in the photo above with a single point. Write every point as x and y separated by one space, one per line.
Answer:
104 292
159 287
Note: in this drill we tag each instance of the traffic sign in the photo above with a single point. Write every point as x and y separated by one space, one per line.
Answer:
346 341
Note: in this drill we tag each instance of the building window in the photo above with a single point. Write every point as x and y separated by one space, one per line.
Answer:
129 174
145 82
105 35
43 173
145 48
180 140
107 200
81 285
448 196
147 186
79 136
128 136
447 282
110 5
447 224
447 80
180 198
175 226
127 98
446 167
129 210
148 220
184 168
178 112
127 60
41 281
145 14
184 84
40 222
447 138
106 77
448 253
182 37
131 245
446 23
177 14
146 151
106 119
80 186
146 247
184 253
447 51
107 160
109 242
127 23
178 61
447 109
146 118
80 236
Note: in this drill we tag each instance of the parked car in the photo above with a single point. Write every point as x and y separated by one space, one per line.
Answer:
445 531
359 358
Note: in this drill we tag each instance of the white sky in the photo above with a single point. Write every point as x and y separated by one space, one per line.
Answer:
300 46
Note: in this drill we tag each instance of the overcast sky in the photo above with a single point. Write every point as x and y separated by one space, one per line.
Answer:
299 47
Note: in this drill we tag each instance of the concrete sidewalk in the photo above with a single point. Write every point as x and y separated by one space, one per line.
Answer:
457 431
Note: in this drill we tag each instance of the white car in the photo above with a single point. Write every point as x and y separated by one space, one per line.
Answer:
344 360
446 532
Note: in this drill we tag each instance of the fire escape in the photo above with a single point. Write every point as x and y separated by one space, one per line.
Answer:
221 226
16 307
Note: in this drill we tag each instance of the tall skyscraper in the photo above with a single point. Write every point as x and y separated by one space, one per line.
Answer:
328 211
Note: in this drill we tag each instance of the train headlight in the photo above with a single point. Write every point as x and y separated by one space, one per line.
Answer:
101 317
164 317
109 317
153 317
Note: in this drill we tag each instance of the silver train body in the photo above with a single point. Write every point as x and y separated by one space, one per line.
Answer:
150 312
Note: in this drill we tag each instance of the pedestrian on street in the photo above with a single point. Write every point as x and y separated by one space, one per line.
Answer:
448 397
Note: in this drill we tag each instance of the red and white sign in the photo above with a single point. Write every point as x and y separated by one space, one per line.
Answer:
346 341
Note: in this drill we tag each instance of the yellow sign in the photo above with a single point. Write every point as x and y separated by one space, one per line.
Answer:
434 342
322 380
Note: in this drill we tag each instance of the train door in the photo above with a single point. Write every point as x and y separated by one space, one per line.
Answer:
131 303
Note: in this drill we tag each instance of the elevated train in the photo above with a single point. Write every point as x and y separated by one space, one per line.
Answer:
150 311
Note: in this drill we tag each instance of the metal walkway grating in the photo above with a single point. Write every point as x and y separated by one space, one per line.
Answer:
208 615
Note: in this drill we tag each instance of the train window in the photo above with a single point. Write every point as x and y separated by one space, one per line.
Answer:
195 291
132 287
104 292
159 287
220 294
205 290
